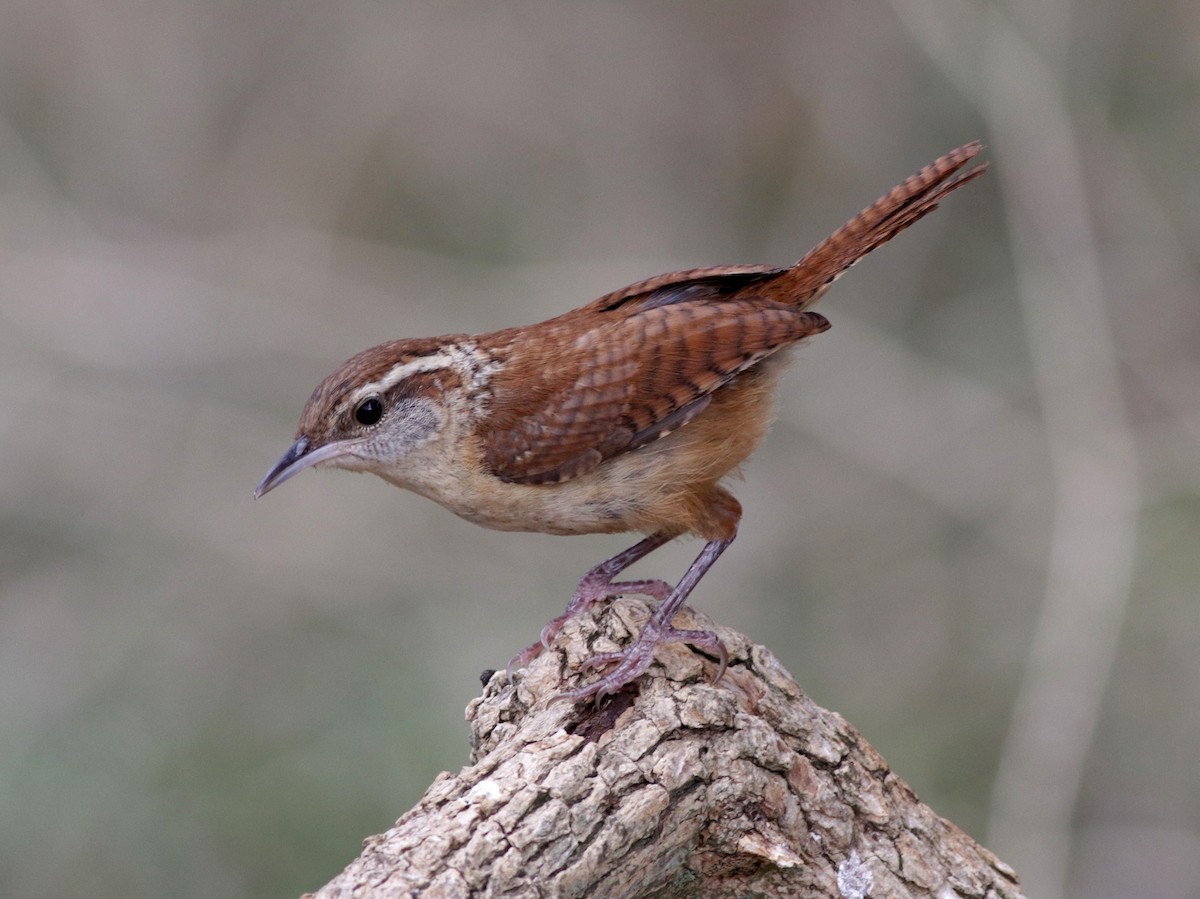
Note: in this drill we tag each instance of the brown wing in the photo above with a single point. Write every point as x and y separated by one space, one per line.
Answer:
720 280
642 361
641 371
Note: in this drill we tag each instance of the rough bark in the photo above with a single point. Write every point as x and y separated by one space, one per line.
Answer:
676 787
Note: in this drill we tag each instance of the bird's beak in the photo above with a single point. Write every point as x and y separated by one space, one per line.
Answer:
299 457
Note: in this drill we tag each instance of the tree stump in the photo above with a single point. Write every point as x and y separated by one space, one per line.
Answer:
674 787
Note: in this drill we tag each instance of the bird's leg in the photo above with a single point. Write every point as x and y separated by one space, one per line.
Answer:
633 661
598 585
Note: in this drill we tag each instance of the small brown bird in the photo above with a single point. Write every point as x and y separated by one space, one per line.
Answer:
622 415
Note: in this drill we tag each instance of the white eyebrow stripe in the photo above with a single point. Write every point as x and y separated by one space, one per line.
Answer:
436 362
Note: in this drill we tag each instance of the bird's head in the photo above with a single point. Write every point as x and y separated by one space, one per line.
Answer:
373 411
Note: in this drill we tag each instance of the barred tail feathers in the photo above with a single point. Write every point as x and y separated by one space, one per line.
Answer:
807 280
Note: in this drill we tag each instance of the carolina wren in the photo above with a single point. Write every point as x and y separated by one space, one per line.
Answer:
622 415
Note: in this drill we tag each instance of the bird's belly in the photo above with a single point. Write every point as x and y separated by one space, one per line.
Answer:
591 504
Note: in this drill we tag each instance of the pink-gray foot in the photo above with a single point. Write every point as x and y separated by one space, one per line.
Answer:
586 596
632 662
598 585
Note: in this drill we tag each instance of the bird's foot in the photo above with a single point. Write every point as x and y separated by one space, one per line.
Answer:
632 662
592 589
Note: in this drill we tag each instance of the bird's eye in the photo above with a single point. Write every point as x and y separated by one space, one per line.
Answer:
369 411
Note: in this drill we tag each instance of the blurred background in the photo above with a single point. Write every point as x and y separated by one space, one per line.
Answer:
973 531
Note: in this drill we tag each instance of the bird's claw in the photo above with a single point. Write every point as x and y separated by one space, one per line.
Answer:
590 591
632 662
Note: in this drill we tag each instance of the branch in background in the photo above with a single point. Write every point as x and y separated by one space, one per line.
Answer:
1020 87
679 788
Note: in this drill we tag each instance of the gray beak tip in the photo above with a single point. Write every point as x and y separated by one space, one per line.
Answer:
289 464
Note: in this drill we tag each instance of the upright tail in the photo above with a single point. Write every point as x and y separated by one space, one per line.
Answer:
806 281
